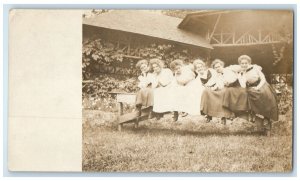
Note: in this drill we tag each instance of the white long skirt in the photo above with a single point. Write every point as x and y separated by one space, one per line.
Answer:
188 98
179 98
163 99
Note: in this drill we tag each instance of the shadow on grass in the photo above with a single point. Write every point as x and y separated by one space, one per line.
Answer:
142 130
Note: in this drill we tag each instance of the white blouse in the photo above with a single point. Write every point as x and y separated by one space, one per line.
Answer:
164 78
212 80
145 80
227 77
185 76
251 75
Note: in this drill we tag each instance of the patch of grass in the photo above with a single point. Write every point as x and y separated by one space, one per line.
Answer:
189 145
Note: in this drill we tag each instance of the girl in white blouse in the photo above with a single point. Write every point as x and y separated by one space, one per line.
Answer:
144 97
261 96
181 88
235 97
213 95
162 80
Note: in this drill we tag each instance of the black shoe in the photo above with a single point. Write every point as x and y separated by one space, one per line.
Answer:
250 117
223 121
158 116
208 119
139 109
267 132
267 124
150 116
184 114
253 118
175 118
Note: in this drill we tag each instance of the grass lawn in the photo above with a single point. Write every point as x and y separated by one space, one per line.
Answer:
189 145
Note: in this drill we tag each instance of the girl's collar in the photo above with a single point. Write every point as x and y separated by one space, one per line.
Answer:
204 75
248 69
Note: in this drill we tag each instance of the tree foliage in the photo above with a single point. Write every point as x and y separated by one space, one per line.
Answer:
101 53
98 52
179 13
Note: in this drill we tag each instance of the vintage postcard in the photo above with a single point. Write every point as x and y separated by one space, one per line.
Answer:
107 90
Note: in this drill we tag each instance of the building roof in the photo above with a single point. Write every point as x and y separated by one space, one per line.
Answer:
201 14
208 18
147 23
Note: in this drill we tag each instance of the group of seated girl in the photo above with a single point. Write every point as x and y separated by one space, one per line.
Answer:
195 89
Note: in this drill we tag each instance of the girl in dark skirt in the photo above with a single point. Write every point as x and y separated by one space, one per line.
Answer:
213 95
261 96
144 97
235 97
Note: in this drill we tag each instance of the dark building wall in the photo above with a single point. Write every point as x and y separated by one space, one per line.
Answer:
133 47
139 40
260 54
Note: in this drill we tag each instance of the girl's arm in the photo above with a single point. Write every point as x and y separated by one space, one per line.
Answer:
213 80
242 80
219 83
262 80
153 80
235 68
165 78
186 76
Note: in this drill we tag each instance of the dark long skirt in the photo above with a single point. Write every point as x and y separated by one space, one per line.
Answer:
144 97
263 101
212 104
236 99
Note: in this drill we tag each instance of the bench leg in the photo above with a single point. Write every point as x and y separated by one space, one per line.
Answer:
136 123
120 113
268 133
120 126
268 129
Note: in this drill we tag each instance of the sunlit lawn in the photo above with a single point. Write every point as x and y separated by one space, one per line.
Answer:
189 145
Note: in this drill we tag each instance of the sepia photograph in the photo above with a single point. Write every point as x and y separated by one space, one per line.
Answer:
187 90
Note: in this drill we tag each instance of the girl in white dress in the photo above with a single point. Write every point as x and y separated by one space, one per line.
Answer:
194 90
181 89
161 83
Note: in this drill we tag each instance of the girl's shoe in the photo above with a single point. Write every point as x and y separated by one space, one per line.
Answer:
223 121
175 118
208 119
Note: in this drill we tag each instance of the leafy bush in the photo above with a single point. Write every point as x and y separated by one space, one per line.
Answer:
96 94
109 83
100 52
284 97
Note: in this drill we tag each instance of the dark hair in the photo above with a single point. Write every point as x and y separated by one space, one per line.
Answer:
140 63
157 61
175 63
244 57
217 61
198 61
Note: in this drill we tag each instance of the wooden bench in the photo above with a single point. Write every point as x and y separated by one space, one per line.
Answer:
123 97
133 117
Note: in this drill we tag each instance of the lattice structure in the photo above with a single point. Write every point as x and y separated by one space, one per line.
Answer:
229 37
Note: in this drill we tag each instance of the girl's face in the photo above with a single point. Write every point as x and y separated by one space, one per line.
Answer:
144 68
156 68
218 67
200 68
244 64
177 70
